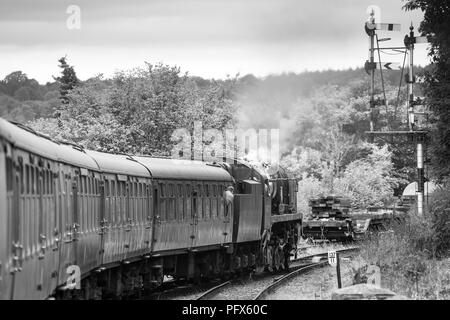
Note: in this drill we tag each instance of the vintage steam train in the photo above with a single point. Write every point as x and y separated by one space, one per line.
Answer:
109 225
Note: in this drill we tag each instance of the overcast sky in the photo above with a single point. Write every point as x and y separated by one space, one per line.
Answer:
208 38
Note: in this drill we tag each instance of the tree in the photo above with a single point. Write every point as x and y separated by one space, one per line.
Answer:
14 81
371 180
139 110
436 23
67 81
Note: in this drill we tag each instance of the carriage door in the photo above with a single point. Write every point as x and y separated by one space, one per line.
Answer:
194 215
68 189
127 184
42 239
102 215
227 213
149 203
5 244
13 182
158 207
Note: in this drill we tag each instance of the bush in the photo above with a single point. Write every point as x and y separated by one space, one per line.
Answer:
412 256
439 214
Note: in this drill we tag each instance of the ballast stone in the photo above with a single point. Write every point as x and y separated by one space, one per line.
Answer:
364 291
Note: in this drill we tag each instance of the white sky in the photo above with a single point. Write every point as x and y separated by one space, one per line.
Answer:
208 38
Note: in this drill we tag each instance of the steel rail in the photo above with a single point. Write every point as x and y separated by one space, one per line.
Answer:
212 291
280 281
308 264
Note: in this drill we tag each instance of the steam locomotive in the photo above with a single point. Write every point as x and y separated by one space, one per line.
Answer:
85 224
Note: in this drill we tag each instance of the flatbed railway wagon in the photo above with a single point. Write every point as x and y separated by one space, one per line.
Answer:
330 219
376 220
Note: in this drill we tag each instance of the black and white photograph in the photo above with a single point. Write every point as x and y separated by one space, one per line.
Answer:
241 151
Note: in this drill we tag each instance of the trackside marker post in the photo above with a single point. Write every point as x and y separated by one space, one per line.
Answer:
334 261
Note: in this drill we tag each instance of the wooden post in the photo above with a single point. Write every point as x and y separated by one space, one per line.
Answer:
338 270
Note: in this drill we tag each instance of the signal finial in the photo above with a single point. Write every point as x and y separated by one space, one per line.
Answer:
372 16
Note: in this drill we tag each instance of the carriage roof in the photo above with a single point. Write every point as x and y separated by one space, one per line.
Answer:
118 164
184 169
26 139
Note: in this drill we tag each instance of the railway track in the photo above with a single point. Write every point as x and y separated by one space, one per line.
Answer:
259 289
282 280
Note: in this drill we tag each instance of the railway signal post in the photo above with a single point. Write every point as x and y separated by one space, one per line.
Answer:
414 131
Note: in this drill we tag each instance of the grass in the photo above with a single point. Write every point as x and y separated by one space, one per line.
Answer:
410 257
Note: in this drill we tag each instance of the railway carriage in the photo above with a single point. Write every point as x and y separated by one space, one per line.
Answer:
126 221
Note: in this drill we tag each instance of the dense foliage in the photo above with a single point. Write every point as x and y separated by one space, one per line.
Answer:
137 111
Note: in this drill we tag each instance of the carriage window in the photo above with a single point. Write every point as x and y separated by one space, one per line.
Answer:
36 180
82 185
39 178
45 185
106 188
194 204
199 190
9 176
33 188
119 201
188 190
162 187
124 188
215 190
27 178
45 181
88 213
22 180
89 185
171 213
51 182
41 182
207 190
